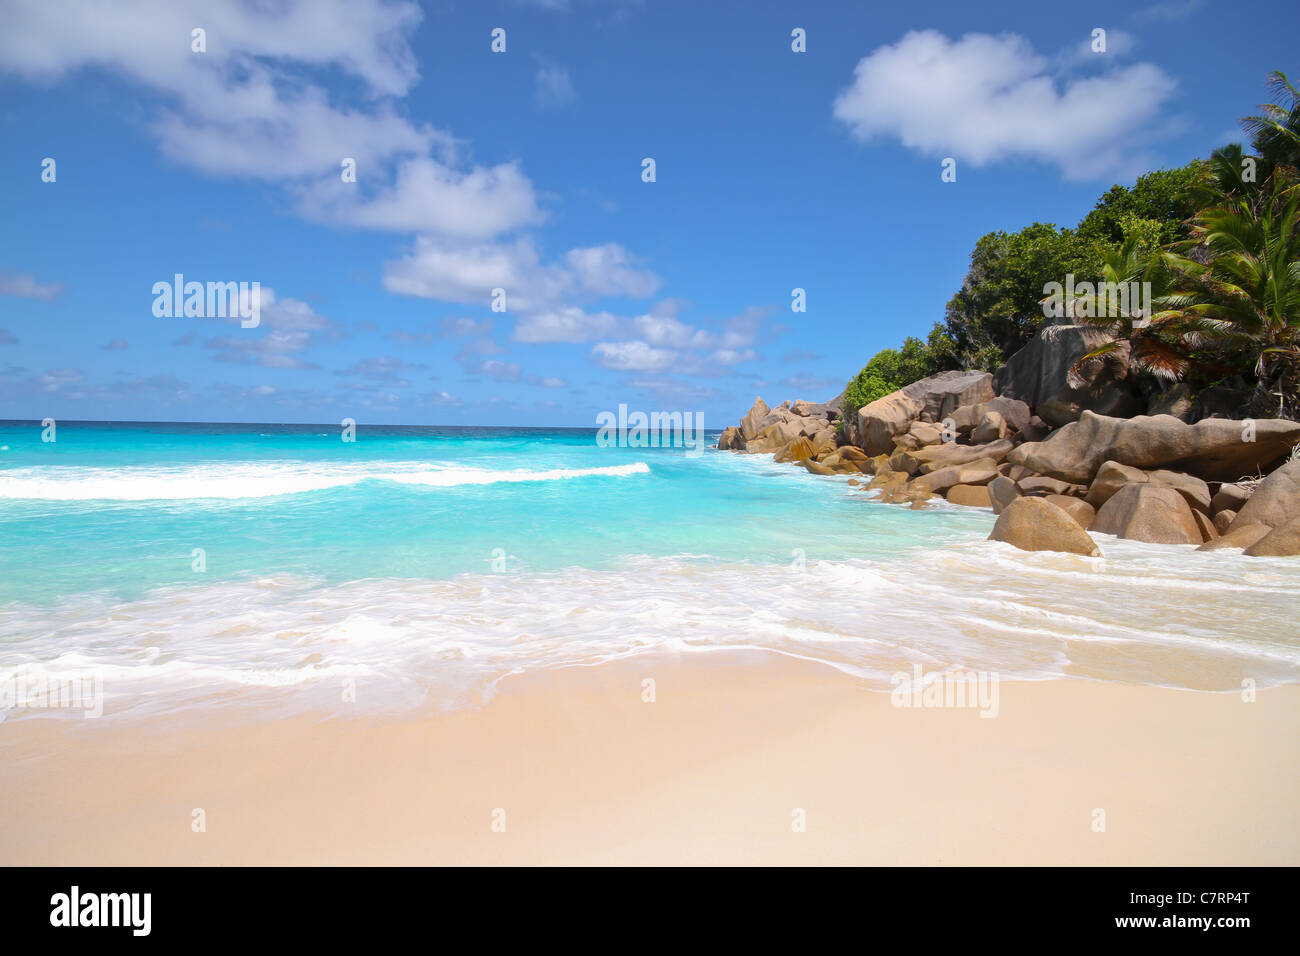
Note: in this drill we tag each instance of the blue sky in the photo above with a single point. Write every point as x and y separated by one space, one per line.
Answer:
522 170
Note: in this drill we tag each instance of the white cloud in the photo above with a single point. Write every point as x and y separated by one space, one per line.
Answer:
26 287
437 268
428 196
633 356
566 324
246 108
984 98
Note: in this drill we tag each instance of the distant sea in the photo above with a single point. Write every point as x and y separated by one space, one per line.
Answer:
199 564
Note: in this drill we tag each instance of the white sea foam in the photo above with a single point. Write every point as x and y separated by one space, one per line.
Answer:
263 479
1141 614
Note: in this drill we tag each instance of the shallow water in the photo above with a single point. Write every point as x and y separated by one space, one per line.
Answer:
421 565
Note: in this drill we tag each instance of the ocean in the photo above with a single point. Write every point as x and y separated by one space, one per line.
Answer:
197 565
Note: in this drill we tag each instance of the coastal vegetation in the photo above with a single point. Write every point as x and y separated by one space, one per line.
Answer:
1216 244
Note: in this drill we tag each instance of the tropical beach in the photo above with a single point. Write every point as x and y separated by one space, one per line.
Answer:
538 472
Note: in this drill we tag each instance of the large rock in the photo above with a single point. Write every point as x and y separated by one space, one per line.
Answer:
878 422
1190 487
1035 524
799 449
1277 499
973 496
1076 508
1242 536
934 457
820 411
964 418
979 472
1175 400
1282 542
1039 375
991 427
749 424
1144 512
731 438
1042 486
1110 478
1230 497
1214 449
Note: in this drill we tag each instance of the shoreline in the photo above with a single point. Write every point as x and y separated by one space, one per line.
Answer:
712 771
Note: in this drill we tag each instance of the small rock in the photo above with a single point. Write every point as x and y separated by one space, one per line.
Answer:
1223 520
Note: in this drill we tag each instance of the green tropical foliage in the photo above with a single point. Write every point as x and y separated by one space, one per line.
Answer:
1213 244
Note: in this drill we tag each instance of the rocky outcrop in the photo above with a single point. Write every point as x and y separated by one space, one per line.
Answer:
1035 524
1213 450
876 424
1144 512
749 424
1276 501
1039 375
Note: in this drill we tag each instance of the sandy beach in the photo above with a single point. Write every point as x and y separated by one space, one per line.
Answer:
579 769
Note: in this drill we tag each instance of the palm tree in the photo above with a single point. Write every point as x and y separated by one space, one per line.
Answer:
1144 307
1250 291
1276 134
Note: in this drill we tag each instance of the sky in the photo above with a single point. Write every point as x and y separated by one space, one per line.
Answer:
524 171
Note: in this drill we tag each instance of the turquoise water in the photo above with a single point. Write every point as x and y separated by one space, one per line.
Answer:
426 563
120 509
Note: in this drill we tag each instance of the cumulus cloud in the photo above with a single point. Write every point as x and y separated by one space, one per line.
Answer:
248 106
985 98
464 272
634 356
